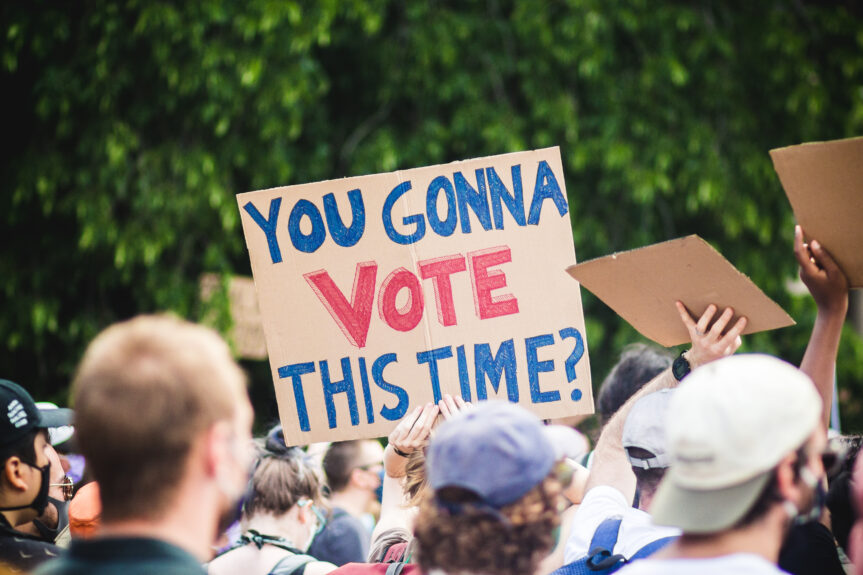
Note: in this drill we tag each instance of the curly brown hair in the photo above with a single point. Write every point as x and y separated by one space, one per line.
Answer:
478 542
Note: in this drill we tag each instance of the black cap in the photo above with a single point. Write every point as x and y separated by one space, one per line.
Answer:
19 414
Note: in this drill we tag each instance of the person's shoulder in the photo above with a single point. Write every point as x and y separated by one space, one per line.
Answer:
344 525
27 553
605 496
129 556
741 563
64 567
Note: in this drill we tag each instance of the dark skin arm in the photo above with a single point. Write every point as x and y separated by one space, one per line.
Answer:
829 288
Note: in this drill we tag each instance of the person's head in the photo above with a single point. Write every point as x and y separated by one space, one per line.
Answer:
355 463
25 476
160 402
745 440
638 364
52 523
645 444
284 484
840 496
493 507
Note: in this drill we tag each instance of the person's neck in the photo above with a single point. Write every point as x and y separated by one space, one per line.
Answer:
13 518
353 500
286 526
763 538
188 521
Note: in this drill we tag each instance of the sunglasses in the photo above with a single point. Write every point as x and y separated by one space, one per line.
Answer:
833 457
68 487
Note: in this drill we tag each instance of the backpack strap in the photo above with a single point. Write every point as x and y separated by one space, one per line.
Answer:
600 557
652 547
395 568
292 565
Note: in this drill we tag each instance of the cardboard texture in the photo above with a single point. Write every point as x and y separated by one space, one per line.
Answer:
643 285
824 183
247 333
380 293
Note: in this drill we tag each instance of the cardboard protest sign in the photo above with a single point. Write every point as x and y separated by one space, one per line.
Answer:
824 183
643 285
247 333
380 293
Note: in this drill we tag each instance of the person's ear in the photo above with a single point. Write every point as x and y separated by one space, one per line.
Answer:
13 473
304 513
216 444
787 481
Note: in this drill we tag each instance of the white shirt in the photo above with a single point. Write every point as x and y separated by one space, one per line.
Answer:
600 503
737 564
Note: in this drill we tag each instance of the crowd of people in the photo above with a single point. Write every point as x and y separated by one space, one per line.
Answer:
710 462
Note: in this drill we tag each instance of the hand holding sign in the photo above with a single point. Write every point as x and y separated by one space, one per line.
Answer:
821 274
711 342
824 183
451 406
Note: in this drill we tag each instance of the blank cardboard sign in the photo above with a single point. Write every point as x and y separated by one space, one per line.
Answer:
381 293
824 183
643 285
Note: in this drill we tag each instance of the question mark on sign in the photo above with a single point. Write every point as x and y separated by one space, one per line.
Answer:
574 357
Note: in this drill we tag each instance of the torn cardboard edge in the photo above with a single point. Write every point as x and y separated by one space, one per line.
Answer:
642 286
824 184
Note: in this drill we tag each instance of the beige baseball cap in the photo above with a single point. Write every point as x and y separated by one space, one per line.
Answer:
729 424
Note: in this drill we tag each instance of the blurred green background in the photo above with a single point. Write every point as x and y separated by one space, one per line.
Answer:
130 126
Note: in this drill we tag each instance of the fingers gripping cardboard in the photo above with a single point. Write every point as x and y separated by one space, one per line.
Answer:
824 183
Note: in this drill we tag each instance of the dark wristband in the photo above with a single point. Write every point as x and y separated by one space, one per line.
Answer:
680 368
399 452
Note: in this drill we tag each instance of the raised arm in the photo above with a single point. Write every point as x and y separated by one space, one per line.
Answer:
829 288
411 434
610 464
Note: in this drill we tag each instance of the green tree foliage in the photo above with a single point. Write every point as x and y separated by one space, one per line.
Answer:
129 127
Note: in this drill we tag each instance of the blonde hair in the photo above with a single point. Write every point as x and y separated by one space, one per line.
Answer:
145 389
416 481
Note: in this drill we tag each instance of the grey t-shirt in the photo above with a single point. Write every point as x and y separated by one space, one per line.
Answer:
343 540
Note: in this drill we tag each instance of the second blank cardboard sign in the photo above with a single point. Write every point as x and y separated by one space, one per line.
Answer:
642 285
824 183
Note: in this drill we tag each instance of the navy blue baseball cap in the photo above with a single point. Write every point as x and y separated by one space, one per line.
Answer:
19 414
498 450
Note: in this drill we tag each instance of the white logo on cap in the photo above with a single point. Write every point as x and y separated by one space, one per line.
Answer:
16 414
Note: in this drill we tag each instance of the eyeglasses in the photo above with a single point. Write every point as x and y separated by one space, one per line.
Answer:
68 487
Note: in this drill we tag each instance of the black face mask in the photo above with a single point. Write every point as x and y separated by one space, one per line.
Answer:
51 533
41 500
